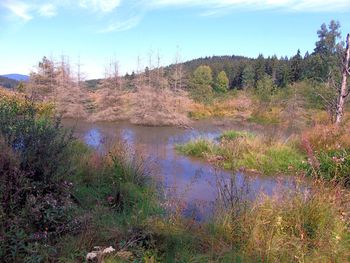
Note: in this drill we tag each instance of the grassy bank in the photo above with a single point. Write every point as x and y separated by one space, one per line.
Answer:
60 199
244 150
321 152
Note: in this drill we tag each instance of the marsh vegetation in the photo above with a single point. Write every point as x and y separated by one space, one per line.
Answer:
263 177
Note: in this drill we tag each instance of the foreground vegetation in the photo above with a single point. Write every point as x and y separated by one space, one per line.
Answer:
60 199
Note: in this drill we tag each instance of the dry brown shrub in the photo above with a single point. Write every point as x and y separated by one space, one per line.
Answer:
160 107
328 137
110 105
240 106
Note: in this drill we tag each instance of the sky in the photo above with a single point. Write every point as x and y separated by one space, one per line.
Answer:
93 33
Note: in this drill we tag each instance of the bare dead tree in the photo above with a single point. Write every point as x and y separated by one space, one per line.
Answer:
139 78
344 89
150 67
79 72
158 68
178 71
115 75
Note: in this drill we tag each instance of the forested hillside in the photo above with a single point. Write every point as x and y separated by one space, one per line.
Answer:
8 83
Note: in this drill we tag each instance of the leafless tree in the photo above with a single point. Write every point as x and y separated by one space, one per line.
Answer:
139 78
177 75
158 67
150 67
80 75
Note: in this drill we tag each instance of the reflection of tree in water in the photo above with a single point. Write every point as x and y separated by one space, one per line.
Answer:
233 193
175 200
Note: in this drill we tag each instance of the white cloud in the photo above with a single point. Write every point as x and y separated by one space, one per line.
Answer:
47 10
293 5
122 25
121 15
100 5
19 9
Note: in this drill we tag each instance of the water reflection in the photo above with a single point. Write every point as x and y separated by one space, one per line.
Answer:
197 184
93 138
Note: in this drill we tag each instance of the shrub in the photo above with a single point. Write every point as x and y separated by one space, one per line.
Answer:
332 166
32 213
35 198
41 143
327 137
328 148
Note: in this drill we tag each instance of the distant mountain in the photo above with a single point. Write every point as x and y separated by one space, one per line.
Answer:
8 83
18 77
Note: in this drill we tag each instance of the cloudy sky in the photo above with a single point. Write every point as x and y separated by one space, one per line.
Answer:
98 31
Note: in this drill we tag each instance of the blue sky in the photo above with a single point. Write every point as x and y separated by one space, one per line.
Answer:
98 31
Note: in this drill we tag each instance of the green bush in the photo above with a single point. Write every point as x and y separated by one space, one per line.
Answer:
41 143
34 161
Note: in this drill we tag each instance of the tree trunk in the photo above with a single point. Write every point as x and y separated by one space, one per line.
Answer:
343 93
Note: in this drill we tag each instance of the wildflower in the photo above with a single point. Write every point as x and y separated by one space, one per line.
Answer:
108 250
91 256
110 199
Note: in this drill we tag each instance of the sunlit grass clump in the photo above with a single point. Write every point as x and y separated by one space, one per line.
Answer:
197 148
244 150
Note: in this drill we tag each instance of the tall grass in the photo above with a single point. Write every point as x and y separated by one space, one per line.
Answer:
291 227
196 148
328 149
232 134
244 150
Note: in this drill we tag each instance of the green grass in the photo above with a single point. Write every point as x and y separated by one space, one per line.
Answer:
232 134
241 149
197 148
282 159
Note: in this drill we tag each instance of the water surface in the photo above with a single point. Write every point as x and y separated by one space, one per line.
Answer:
196 183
